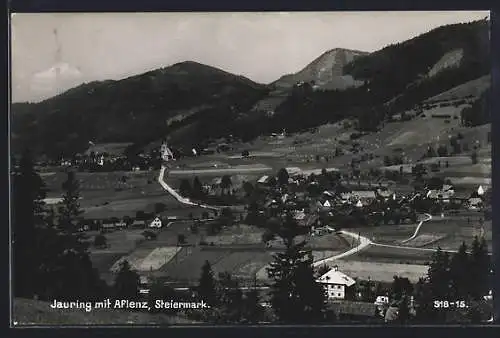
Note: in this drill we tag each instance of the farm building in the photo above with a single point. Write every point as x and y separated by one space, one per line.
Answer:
156 223
336 283
138 224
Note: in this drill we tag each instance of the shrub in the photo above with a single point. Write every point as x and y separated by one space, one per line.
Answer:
100 241
148 234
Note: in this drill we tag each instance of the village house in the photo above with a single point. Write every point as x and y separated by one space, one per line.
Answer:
156 223
353 197
385 193
475 203
264 181
299 215
336 283
121 224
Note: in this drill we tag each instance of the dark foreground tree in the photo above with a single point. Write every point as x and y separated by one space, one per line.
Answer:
28 211
230 299
206 286
226 184
296 297
460 273
127 283
283 177
185 188
439 275
401 287
48 263
70 209
480 269
197 189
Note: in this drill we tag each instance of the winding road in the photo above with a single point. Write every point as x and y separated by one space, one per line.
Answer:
429 217
178 197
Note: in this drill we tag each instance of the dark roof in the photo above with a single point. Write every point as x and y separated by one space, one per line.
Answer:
344 307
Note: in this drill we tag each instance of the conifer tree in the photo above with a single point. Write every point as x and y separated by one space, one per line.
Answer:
28 213
283 177
231 298
70 209
185 188
207 286
439 275
296 297
480 268
127 283
197 189
460 273
47 262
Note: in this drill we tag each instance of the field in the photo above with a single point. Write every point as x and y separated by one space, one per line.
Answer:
106 181
186 266
387 234
103 195
381 254
382 272
118 241
425 240
455 230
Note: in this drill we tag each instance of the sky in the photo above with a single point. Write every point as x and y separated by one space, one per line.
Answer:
51 52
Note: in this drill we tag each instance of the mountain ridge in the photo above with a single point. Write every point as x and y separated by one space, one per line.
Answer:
138 109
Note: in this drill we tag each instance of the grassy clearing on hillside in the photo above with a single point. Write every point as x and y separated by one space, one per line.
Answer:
452 160
472 88
479 170
118 241
27 312
457 231
104 181
110 148
470 181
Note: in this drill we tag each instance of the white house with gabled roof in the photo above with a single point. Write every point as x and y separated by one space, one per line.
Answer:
156 223
336 283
